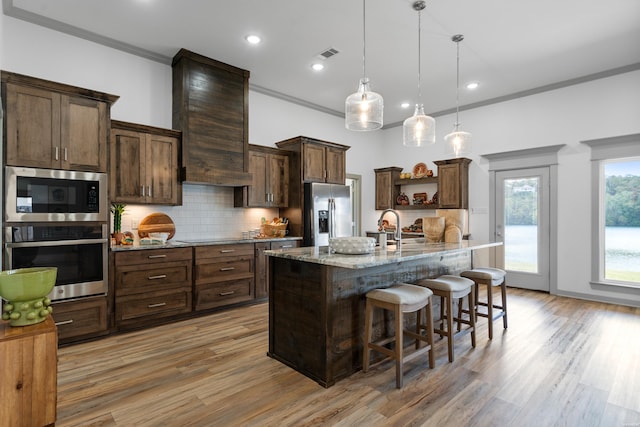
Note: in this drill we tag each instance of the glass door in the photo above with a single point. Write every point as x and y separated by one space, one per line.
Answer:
522 224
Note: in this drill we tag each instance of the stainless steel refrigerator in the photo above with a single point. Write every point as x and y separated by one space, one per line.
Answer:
327 213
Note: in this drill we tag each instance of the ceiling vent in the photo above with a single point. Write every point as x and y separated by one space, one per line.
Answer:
328 53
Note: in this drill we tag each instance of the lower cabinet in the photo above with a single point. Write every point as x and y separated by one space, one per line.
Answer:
262 263
81 319
28 368
152 285
224 275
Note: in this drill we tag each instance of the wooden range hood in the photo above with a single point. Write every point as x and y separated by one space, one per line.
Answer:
210 107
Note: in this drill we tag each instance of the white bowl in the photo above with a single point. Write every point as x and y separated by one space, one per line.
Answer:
159 236
352 245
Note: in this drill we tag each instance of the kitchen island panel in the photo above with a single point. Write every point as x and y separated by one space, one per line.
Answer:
317 310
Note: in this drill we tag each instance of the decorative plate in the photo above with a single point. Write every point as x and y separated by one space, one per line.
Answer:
419 170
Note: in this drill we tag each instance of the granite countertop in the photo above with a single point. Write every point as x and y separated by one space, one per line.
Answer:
200 242
381 256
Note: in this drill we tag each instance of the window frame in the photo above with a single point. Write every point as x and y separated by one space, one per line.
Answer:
602 151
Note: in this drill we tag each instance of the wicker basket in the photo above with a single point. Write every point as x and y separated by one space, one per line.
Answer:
274 230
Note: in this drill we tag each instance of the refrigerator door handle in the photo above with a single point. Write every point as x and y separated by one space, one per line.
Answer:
332 218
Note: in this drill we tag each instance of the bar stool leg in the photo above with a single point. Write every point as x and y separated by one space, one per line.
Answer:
399 345
449 302
472 318
367 333
429 314
503 289
490 310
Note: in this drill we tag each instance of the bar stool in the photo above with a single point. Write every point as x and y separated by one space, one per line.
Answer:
490 277
448 288
401 298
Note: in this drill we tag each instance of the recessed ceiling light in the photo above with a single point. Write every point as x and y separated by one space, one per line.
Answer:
472 85
253 39
317 66
405 105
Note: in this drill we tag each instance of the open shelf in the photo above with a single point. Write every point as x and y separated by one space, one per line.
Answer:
415 181
415 207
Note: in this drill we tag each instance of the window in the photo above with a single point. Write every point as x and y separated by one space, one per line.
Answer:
616 210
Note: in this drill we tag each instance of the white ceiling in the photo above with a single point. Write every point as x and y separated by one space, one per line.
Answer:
511 47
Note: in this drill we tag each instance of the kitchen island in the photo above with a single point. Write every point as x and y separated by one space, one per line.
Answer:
317 299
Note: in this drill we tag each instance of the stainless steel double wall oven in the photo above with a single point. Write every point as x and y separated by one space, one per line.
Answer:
58 218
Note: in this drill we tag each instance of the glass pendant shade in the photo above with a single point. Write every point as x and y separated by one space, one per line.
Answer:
363 109
458 144
419 129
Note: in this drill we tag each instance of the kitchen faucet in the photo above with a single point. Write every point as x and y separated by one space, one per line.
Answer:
398 235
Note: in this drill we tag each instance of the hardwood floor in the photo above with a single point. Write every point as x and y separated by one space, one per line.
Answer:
562 362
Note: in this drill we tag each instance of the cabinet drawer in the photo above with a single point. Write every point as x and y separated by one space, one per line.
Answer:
158 304
223 269
80 318
151 256
237 249
219 294
285 244
132 279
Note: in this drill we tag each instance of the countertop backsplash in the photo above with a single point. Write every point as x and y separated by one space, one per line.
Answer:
207 212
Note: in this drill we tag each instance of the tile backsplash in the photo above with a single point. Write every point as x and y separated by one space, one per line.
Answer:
207 212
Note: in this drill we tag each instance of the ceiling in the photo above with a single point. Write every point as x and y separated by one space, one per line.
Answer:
511 48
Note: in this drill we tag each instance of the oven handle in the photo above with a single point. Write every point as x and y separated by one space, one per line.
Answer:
55 243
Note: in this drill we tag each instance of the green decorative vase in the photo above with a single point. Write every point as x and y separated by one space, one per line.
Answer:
25 291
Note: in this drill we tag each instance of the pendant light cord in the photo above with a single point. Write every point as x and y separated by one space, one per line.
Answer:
457 38
364 39
419 55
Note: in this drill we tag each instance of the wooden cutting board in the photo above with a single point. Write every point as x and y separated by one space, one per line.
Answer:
156 222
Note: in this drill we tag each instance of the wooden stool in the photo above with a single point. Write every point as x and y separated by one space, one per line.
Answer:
490 277
449 288
400 299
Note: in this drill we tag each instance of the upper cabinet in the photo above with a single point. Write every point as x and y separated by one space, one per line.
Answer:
210 107
55 126
316 160
451 183
385 187
270 179
144 164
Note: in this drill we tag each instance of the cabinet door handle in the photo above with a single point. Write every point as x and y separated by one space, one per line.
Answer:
64 150
157 256
149 190
266 197
160 304
57 154
227 268
286 246
224 294
226 251
64 322
142 190
159 276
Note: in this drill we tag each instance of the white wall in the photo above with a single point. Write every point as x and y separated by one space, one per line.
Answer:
597 109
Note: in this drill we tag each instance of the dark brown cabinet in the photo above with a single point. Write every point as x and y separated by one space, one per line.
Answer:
51 125
224 275
316 160
144 164
451 183
152 285
270 179
385 187
262 263
81 319
210 107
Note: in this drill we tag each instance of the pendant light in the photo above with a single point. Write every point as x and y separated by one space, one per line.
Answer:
419 129
458 142
363 109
